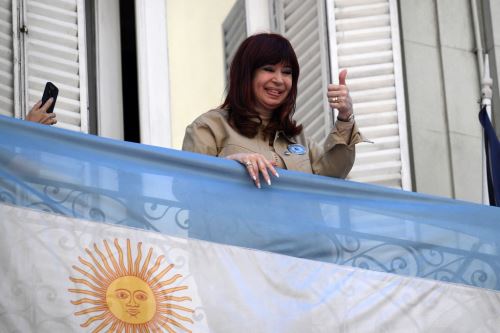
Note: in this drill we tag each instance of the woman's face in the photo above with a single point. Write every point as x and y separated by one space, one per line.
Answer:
271 86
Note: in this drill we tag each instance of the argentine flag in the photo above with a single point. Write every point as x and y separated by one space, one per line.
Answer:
98 235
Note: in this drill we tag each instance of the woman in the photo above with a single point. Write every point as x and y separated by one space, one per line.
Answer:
254 125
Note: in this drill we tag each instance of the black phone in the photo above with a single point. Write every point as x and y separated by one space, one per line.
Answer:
50 91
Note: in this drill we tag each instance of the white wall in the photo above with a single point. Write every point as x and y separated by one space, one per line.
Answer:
196 63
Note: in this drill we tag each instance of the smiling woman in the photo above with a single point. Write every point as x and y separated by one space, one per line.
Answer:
271 86
255 125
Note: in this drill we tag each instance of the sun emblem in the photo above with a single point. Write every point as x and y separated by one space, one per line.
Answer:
131 296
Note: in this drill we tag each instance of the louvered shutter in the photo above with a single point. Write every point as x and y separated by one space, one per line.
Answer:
367 44
234 31
303 22
55 51
6 59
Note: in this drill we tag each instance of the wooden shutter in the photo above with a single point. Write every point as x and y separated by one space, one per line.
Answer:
6 59
303 22
234 31
54 50
366 41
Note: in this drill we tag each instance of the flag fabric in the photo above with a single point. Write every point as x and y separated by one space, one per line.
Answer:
61 274
100 235
492 148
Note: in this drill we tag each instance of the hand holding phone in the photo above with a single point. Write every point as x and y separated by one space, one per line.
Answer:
50 91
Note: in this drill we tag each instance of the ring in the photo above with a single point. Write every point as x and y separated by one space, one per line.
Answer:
248 164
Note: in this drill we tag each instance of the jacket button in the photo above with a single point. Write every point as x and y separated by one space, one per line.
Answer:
286 153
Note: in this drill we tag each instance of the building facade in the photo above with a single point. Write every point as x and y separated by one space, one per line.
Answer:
143 70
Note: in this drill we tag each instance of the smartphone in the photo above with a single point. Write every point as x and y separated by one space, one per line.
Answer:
50 91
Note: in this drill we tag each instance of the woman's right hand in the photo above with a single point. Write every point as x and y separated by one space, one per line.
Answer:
255 164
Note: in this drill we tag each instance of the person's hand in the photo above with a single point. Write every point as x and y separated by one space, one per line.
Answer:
38 113
339 98
255 164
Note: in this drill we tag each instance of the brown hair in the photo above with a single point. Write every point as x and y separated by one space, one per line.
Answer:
257 51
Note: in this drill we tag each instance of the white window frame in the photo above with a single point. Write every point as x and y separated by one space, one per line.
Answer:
109 70
153 73
400 98
258 16
18 113
82 62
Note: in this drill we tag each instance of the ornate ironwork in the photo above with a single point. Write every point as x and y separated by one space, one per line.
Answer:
347 247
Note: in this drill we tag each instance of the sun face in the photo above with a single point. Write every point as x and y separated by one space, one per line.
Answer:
131 296
131 300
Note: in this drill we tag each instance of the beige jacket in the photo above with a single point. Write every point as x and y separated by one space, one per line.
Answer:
211 134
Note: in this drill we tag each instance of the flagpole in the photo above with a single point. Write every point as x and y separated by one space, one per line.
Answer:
486 95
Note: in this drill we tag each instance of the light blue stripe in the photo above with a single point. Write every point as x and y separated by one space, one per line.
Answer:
190 195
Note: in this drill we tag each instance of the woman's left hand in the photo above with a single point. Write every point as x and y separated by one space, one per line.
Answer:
339 98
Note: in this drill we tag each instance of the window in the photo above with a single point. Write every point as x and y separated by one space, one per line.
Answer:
44 40
361 36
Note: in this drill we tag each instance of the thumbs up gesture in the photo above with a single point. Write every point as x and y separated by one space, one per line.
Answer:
339 98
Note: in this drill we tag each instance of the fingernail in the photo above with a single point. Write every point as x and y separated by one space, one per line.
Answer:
277 175
269 182
258 185
254 178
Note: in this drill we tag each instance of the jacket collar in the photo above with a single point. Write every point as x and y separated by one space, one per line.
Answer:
280 133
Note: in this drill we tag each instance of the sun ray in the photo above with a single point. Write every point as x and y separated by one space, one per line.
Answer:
104 260
154 327
88 301
176 315
169 329
128 292
112 258
138 258
129 258
102 325
90 276
97 277
171 290
85 292
87 283
175 306
162 284
120 258
91 310
121 326
94 318
155 267
175 323
113 326
161 274
145 265
174 298
97 264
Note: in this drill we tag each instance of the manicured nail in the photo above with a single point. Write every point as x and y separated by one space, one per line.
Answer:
254 178
277 175
258 185
269 182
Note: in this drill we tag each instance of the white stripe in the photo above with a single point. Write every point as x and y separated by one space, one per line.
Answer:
232 289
